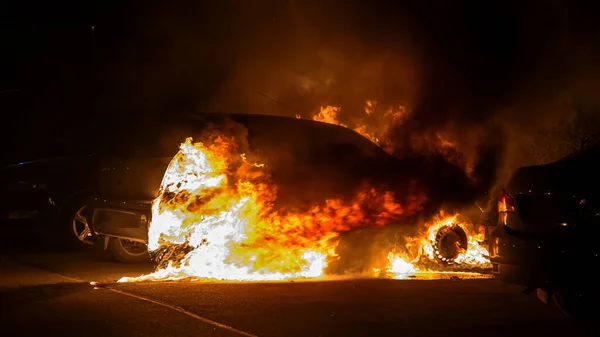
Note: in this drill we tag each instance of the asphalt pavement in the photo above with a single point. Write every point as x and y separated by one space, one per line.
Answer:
50 294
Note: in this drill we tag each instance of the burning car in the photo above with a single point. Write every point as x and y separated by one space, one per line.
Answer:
547 231
255 196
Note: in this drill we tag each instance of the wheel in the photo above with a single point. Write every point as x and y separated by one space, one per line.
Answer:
451 240
80 227
127 251
73 231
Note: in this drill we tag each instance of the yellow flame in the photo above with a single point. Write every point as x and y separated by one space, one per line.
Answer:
328 114
231 230
399 267
474 255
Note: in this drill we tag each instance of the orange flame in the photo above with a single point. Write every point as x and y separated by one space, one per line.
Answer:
329 114
227 220
219 205
378 127
474 254
401 265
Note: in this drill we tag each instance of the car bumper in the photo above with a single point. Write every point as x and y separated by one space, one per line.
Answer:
537 261
126 219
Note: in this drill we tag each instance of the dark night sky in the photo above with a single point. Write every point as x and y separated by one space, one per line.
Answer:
462 62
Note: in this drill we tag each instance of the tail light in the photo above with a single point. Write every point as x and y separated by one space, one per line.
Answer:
506 203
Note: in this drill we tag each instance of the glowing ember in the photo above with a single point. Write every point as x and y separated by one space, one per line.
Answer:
214 218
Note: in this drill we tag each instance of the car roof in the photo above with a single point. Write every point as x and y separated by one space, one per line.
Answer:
267 119
262 124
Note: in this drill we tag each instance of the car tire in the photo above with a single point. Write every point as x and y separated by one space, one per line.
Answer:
126 251
448 239
74 232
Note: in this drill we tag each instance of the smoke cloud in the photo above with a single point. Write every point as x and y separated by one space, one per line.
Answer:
487 76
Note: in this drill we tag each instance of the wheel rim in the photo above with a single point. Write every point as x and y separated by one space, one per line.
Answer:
133 248
80 227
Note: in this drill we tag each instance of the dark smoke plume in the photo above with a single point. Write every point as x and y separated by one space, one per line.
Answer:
467 69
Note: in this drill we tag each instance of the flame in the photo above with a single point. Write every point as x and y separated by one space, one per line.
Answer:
474 255
377 127
399 267
329 114
421 256
374 126
370 106
211 221
215 219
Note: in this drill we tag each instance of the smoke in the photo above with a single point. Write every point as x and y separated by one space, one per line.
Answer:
487 76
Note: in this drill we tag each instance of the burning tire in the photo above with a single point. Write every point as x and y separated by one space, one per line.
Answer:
451 240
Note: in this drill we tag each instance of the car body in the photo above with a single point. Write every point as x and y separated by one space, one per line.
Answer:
103 195
548 228
43 198
309 161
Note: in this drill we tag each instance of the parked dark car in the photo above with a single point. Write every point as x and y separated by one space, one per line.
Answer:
547 236
45 199
308 160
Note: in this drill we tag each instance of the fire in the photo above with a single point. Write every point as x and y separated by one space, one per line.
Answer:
471 253
214 219
378 122
427 258
329 114
399 267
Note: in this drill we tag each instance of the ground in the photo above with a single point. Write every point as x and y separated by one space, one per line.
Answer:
50 293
